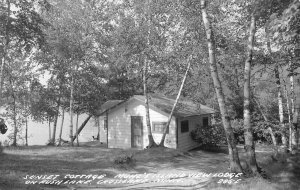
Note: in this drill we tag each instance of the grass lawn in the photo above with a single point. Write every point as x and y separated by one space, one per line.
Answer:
94 167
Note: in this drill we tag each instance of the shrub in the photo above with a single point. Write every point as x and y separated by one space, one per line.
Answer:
238 130
260 131
209 135
124 160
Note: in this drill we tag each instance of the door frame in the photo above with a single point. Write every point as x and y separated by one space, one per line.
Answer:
132 131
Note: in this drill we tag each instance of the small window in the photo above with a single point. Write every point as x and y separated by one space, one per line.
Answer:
105 122
205 121
159 127
184 126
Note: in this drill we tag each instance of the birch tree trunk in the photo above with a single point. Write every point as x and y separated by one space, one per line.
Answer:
77 141
280 107
235 165
98 126
150 137
15 120
5 48
71 110
26 104
248 131
81 127
145 72
26 131
49 127
14 113
174 106
292 129
61 126
274 141
55 123
279 94
289 115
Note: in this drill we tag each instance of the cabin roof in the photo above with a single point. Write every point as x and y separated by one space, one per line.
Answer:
109 105
184 108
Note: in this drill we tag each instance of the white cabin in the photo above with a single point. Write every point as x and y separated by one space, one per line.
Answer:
122 124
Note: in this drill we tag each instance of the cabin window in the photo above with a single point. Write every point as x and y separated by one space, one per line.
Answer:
184 126
205 121
105 122
159 127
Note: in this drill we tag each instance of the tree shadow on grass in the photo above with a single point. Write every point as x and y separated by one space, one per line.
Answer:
14 168
196 160
287 172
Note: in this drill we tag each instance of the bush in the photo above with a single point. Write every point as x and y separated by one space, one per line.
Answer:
209 135
260 131
238 130
124 160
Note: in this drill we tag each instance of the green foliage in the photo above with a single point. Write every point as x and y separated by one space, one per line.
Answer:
42 103
261 133
124 161
23 24
103 45
212 135
238 130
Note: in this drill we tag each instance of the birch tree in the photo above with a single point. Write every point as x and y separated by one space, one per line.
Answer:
248 132
166 129
234 160
152 143
61 126
71 109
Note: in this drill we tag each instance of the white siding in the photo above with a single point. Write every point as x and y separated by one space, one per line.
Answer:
91 129
103 132
185 142
119 125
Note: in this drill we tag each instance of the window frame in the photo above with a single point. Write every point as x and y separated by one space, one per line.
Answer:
159 123
187 127
207 121
105 123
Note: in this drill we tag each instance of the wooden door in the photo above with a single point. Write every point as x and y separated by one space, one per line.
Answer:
136 131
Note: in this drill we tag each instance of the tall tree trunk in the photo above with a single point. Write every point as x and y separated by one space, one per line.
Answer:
77 117
150 137
145 72
55 122
14 113
248 131
274 141
26 131
289 115
26 103
280 108
98 127
279 94
175 103
292 129
82 126
235 165
49 126
15 121
61 126
5 48
71 110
